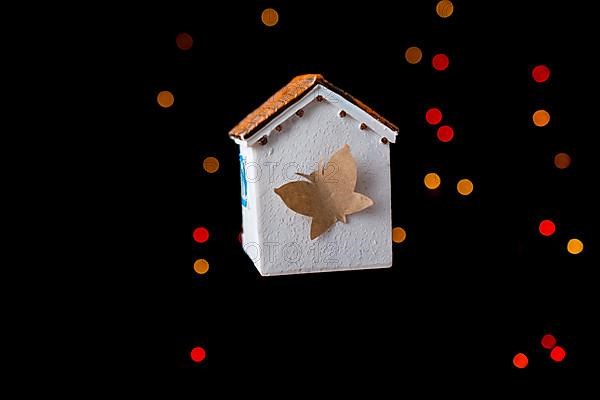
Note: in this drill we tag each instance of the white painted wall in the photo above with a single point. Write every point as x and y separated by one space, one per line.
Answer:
277 238
249 185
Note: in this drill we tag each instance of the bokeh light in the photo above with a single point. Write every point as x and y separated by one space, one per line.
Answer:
184 41
445 133
520 360
432 180
558 354
201 234
433 116
548 341
440 62
464 187
413 55
547 227
541 118
540 73
210 165
198 354
269 17
574 246
562 160
201 266
165 99
398 235
444 8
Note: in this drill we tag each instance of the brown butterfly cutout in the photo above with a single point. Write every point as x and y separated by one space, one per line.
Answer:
329 194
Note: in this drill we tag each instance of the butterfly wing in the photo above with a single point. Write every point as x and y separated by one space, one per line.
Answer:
340 171
354 203
321 223
340 181
301 197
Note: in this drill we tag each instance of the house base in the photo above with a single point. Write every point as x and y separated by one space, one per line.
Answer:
324 269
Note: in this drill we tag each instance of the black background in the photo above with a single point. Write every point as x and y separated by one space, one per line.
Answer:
473 284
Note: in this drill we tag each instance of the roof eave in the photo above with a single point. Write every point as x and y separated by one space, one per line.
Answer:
358 113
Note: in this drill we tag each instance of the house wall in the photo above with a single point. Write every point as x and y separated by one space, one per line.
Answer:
249 176
283 235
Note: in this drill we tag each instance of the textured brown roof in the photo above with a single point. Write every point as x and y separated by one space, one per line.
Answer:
288 95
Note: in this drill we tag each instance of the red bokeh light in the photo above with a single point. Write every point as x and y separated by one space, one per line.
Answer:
433 116
558 354
445 133
184 41
547 227
201 234
540 73
548 341
520 360
198 354
440 62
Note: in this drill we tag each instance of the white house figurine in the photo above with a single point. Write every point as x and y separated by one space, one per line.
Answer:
316 189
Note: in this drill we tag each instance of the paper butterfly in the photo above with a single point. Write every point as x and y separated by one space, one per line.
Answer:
329 194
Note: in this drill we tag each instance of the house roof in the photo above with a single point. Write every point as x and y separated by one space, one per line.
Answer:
287 96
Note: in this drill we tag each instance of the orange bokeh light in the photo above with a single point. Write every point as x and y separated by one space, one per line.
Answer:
269 17
201 266
574 246
444 8
210 165
432 180
562 160
413 55
541 118
165 99
465 187
520 360
398 235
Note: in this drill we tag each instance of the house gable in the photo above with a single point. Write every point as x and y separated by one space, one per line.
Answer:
298 94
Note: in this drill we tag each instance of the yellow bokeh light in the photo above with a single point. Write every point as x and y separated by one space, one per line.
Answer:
201 266
562 160
398 235
269 17
165 99
444 8
432 180
541 118
210 165
574 246
464 187
413 55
